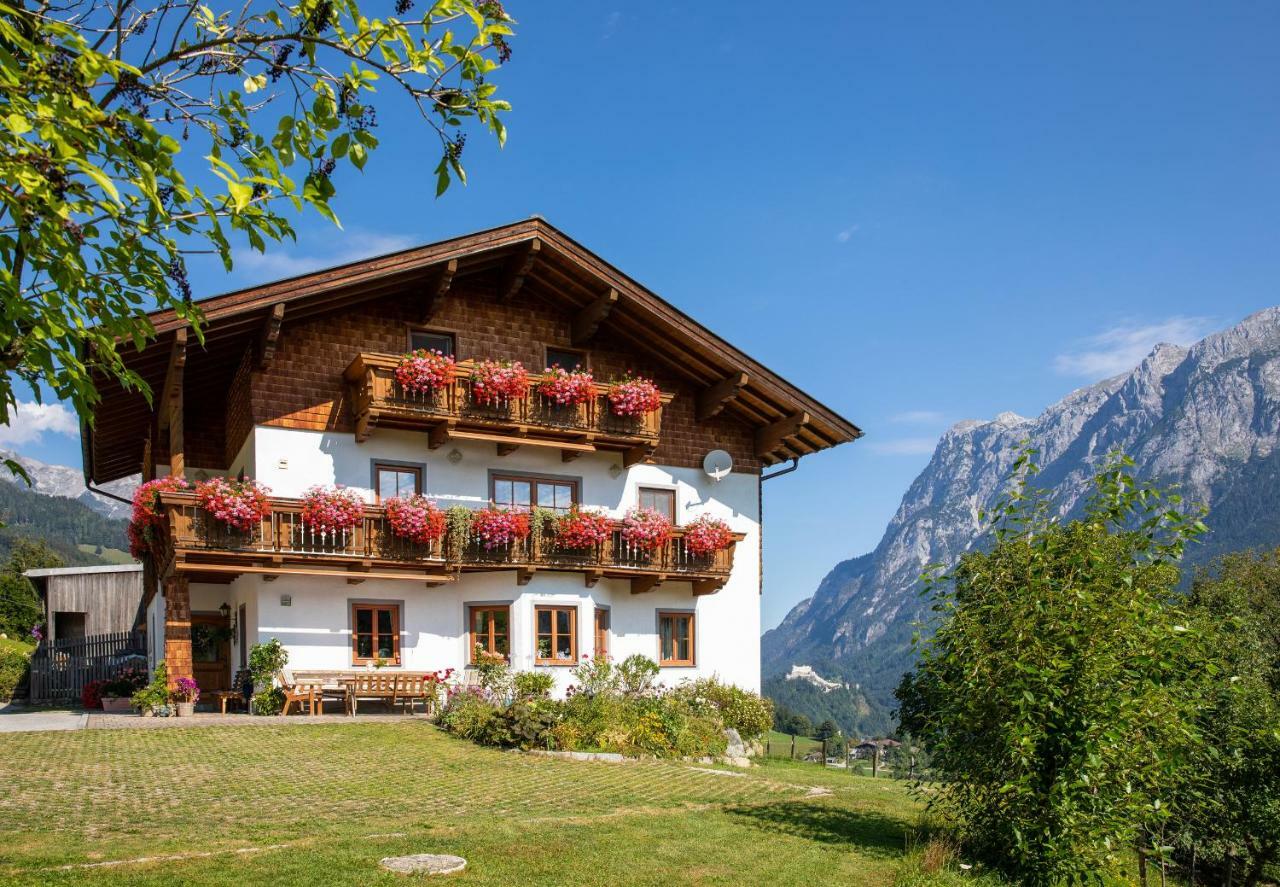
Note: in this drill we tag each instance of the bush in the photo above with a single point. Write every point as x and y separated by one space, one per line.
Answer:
748 713
152 696
596 675
13 666
266 661
533 684
527 723
124 683
637 674
467 713
267 702
91 695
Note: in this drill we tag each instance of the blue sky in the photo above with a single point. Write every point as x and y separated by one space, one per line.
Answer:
918 212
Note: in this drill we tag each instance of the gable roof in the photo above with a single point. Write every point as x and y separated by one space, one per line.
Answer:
531 252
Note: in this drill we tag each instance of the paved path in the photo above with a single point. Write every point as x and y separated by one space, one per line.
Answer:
17 719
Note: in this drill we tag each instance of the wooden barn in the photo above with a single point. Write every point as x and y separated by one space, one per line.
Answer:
84 602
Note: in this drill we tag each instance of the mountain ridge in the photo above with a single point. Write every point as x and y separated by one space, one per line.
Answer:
1204 417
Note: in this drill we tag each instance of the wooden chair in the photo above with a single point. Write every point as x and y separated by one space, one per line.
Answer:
233 697
410 688
371 685
295 693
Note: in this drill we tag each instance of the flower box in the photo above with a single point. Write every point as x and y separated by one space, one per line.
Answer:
117 705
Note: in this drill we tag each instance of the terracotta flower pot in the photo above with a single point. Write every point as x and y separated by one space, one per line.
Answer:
116 705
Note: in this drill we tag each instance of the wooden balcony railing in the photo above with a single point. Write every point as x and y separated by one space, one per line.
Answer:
378 400
281 543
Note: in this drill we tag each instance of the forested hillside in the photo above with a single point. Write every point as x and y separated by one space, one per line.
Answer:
63 524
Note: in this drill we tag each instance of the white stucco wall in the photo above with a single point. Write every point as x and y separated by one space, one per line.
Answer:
155 629
315 627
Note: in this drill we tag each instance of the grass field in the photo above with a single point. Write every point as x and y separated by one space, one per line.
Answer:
321 804
110 555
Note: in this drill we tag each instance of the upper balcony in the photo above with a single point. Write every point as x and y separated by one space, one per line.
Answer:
378 400
202 547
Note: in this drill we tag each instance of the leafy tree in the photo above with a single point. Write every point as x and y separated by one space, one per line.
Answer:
20 606
105 106
1058 693
1233 829
828 729
792 723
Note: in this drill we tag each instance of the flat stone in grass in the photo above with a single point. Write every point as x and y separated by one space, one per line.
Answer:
424 863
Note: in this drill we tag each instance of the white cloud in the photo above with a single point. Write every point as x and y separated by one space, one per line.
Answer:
313 252
611 23
1123 346
29 421
845 235
904 446
918 417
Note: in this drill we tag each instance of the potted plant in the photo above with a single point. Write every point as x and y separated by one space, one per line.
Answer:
495 383
565 388
185 695
633 397
239 504
153 698
424 371
706 535
578 530
495 527
146 520
331 510
645 530
415 518
116 692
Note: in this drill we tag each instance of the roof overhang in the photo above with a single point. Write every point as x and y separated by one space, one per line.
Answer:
789 422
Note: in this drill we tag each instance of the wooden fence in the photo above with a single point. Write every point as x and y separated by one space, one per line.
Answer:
59 670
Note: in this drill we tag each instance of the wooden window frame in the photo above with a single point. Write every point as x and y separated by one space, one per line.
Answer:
433 331
553 609
692 661
379 465
533 480
396 609
472 609
667 491
601 637
581 352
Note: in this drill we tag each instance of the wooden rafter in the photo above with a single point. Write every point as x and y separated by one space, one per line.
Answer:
518 270
773 436
270 335
713 399
437 288
643 584
171 406
589 318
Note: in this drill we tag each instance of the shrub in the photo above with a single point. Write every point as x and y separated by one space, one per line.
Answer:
155 694
91 695
748 713
268 702
13 665
467 713
125 682
267 660
637 674
596 675
527 723
533 684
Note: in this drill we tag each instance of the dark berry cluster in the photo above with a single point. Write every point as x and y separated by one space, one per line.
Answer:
492 9
280 61
178 274
504 48
403 6
456 145
75 231
319 18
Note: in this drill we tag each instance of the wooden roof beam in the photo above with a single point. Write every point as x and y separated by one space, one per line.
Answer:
437 288
713 399
270 335
588 320
774 435
171 393
518 270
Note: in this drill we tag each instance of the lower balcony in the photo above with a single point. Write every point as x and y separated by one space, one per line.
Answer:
197 545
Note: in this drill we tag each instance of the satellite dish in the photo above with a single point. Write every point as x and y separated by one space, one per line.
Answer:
717 464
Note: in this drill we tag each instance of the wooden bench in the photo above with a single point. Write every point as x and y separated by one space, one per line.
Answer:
233 697
410 688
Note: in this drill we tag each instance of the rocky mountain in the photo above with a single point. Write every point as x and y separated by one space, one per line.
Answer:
68 483
1206 418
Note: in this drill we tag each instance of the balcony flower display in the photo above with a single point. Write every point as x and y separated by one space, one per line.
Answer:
415 518
706 535
567 387
146 519
495 527
645 529
497 382
577 530
424 371
634 396
240 504
331 509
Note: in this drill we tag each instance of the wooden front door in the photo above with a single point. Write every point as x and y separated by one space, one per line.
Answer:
211 651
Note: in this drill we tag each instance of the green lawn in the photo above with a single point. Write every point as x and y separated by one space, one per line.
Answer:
110 555
321 805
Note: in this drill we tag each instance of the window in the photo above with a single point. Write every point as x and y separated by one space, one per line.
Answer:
375 633
661 501
489 629
557 635
432 341
558 494
566 358
396 480
675 638
602 631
